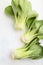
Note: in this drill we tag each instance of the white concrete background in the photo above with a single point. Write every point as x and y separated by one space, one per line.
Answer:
10 39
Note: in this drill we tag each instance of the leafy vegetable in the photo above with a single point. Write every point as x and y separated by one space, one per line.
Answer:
21 9
26 18
9 10
33 32
32 50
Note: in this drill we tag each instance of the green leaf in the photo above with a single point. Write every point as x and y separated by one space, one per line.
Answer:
9 11
40 36
39 24
41 29
26 6
20 6
31 19
37 51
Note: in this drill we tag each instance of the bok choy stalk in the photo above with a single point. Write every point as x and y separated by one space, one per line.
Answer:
32 50
35 30
21 9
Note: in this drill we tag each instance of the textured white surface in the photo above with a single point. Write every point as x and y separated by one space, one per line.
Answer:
10 39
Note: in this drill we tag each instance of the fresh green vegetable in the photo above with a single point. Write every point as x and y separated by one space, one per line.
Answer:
26 18
9 10
33 32
21 9
32 50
